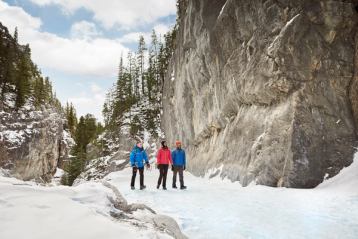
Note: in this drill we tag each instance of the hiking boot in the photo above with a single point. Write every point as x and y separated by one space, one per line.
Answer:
132 187
158 186
183 187
164 188
142 187
174 186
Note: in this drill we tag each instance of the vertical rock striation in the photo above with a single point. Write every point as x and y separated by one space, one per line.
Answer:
265 90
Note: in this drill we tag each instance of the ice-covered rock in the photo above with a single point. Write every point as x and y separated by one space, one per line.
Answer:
124 210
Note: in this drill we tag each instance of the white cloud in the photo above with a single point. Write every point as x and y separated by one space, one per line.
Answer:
161 29
84 30
82 56
90 101
16 16
122 13
133 37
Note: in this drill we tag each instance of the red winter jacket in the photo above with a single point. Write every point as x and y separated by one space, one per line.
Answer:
164 156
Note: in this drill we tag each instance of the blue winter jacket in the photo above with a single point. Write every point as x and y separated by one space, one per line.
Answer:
178 157
137 157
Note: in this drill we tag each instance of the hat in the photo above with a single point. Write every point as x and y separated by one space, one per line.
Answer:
163 143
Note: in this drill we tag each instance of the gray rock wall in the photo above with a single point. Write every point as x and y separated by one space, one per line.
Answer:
265 89
34 143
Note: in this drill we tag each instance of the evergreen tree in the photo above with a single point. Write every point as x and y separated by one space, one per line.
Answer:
23 78
90 128
135 126
87 130
136 96
133 72
152 69
106 114
100 128
71 118
9 69
48 90
140 64
74 168
16 35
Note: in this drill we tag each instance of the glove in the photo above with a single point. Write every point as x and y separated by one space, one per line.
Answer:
184 168
157 166
148 165
172 167
135 169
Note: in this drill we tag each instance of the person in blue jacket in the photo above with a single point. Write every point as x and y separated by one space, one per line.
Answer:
179 164
137 158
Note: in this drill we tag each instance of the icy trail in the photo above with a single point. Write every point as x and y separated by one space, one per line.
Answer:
216 209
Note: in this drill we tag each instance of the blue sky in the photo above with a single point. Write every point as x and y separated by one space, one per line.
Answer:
77 43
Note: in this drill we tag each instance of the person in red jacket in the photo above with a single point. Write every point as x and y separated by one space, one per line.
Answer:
164 158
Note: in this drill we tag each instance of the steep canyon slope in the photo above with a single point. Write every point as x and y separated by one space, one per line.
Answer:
33 141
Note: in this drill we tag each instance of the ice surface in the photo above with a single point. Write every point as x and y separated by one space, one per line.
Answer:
212 208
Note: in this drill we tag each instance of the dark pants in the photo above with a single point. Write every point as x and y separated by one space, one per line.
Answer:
176 170
163 171
134 174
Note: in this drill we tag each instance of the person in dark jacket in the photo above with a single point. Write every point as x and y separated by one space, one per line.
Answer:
179 164
137 158
164 158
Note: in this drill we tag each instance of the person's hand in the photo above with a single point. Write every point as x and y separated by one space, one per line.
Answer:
148 165
157 166
172 167
184 168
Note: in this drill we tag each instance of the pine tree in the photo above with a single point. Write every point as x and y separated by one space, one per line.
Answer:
72 119
23 78
9 70
152 68
48 94
16 35
133 72
90 128
140 64
136 96
135 126
106 115
87 130
100 128
40 91
19 75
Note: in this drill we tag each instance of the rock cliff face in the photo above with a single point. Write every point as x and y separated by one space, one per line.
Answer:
33 143
32 139
266 91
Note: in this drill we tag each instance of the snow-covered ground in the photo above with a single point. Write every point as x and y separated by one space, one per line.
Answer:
210 208
82 212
